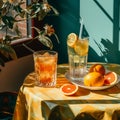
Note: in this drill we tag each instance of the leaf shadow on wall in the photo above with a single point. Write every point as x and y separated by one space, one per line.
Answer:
93 56
109 52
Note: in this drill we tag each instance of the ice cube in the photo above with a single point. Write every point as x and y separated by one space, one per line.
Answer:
46 54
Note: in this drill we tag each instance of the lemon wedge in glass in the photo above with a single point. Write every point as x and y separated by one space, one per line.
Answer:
71 40
81 47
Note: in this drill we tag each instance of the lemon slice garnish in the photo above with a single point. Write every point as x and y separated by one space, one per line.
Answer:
71 40
81 47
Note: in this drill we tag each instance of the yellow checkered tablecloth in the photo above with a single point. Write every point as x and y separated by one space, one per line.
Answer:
38 103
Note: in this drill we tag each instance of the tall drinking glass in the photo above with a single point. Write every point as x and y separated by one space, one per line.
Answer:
45 63
77 55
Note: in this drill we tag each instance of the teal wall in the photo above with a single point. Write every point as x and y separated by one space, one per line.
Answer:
102 21
65 23
102 24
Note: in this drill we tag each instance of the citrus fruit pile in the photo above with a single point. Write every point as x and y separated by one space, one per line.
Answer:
76 45
69 89
97 76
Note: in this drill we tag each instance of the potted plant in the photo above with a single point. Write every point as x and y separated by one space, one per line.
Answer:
11 13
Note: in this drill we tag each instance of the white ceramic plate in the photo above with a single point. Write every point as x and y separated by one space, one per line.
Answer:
80 83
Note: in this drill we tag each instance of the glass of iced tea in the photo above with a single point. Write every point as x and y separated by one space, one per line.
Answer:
77 55
45 63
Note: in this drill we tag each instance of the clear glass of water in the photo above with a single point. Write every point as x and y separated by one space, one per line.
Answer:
77 56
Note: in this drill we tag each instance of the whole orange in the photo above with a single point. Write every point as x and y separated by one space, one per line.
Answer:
94 79
97 68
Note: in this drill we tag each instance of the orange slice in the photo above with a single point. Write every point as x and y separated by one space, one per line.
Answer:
97 68
71 40
110 78
69 89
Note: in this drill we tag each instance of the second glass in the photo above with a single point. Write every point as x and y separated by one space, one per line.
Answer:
45 63
77 55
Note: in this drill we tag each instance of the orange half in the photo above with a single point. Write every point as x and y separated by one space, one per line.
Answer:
69 89
110 78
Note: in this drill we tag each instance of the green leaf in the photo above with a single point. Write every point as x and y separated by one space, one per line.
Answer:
56 37
2 26
12 53
1 3
20 12
37 30
54 10
18 9
7 51
41 15
33 8
46 41
8 21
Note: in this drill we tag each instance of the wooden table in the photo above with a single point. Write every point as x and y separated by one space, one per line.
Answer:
38 103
